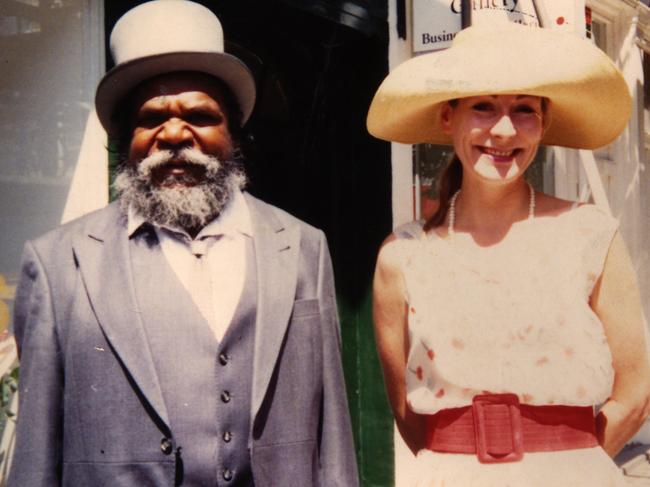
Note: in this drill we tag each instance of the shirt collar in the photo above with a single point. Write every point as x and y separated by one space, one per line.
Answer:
235 218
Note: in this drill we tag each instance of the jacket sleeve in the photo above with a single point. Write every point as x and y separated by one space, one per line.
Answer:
337 454
37 454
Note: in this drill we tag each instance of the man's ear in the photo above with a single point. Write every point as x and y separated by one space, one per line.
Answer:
446 113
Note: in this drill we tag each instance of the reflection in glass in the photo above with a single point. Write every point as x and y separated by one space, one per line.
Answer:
45 97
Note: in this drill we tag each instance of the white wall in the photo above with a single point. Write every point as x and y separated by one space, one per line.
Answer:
89 186
624 176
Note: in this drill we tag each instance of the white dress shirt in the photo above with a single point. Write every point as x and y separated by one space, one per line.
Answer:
226 257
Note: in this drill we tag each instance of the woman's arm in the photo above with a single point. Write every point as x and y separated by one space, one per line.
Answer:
617 303
391 334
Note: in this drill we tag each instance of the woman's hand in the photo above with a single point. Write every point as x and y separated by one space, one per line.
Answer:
617 303
391 333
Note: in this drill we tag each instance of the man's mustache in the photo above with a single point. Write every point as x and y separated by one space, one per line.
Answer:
188 155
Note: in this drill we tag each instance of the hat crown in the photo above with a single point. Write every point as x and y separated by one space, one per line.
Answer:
166 36
165 26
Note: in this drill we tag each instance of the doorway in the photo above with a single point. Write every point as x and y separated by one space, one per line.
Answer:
317 65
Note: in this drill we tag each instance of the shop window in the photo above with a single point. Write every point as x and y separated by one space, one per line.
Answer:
46 92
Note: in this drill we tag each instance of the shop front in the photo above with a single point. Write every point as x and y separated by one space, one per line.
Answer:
317 65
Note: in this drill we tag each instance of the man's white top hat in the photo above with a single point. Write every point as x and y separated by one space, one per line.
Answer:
589 100
165 36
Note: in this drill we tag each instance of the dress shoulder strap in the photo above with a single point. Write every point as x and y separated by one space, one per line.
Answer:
411 230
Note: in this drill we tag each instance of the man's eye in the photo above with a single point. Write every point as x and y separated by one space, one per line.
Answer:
203 118
150 120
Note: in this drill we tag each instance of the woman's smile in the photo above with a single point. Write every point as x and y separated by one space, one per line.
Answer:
499 155
495 136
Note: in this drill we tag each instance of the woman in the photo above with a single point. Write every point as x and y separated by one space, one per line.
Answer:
503 320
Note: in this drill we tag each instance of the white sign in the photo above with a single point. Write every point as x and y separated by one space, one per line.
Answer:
436 22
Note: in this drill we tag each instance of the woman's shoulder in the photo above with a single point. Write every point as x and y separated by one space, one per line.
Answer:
551 206
585 225
408 231
548 205
398 245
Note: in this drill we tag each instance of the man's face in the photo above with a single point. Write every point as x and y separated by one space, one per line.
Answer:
180 170
177 111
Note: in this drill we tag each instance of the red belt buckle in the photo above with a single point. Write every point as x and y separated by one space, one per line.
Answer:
497 428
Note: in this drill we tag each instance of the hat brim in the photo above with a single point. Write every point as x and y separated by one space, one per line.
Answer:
589 100
122 79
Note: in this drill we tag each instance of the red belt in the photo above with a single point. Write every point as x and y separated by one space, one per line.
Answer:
499 429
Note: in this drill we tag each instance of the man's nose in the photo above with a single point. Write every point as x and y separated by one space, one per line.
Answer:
174 133
503 128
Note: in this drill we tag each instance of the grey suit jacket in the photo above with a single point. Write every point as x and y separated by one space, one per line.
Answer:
91 410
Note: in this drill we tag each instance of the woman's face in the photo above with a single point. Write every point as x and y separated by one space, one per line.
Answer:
495 136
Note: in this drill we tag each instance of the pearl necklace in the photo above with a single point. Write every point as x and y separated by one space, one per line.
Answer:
452 208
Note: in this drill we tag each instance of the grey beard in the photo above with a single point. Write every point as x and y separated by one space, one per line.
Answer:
189 207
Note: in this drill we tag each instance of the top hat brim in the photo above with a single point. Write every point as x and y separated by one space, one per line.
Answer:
124 78
589 104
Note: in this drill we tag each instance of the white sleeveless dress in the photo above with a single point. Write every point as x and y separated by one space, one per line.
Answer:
514 317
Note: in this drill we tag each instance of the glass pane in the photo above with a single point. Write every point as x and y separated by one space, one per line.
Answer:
430 161
46 92
599 29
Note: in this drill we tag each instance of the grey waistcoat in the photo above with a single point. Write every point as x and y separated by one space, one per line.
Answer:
206 385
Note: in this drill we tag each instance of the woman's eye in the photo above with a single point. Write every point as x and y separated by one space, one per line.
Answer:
483 107
525 109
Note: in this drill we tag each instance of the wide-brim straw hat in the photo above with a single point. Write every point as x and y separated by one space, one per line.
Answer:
589 99
165 36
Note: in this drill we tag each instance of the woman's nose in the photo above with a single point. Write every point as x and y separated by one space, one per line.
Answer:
503 128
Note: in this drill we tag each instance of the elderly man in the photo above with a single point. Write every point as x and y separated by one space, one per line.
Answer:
186 334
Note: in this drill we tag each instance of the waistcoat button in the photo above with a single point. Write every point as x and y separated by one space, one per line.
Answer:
225 396
166 446
227 436
227 474
223 358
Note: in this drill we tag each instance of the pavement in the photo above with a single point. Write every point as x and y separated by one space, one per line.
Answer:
634 460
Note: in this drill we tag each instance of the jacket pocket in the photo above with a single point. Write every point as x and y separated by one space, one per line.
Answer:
127 474
305 307
292 463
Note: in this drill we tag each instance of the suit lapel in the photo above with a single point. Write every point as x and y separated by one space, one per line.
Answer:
276 255
103 256
104 261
